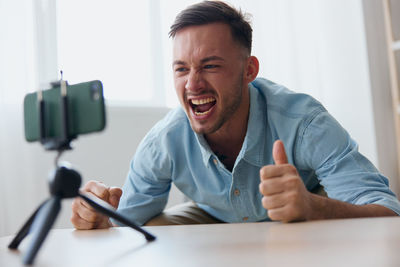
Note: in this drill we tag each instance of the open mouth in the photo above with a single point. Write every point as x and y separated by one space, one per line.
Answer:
202 106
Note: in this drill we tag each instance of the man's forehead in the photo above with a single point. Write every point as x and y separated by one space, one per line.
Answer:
204 40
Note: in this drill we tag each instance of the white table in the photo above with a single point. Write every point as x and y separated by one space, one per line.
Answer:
350 242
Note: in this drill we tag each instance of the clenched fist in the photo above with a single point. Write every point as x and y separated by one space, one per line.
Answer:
84 216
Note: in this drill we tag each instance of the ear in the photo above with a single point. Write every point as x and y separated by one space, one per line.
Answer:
252 68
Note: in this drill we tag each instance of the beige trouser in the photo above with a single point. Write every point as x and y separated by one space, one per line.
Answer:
186 213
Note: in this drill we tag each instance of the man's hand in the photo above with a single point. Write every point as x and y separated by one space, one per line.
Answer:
84 216
285 196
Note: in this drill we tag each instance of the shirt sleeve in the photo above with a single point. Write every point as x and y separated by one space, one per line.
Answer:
146 189
325 147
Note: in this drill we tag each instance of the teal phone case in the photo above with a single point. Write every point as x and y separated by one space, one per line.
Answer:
86 111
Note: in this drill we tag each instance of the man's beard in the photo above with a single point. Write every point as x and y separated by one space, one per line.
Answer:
229 110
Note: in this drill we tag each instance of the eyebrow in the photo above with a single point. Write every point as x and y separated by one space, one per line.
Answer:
204 60
178 62
212 58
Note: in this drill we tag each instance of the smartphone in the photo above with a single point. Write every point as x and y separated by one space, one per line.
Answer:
86 111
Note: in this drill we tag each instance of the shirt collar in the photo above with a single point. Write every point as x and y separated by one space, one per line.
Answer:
254 142
204 148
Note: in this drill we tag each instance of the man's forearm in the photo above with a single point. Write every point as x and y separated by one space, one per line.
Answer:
326 208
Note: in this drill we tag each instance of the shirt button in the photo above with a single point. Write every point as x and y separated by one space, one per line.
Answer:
236 192
245 218
215 162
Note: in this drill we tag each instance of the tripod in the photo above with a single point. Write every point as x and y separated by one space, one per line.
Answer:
64 183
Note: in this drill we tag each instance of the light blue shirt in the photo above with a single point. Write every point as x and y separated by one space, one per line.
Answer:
322 151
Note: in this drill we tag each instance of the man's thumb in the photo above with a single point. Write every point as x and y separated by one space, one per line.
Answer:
115 195
278 153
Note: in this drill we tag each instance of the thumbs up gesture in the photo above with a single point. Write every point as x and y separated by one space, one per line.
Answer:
284 195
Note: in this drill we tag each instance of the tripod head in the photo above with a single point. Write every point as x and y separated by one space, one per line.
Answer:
56 143
63 188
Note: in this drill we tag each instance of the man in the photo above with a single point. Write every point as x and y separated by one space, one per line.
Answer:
242 149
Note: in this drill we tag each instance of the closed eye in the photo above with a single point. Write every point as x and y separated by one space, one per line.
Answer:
211 66
181 69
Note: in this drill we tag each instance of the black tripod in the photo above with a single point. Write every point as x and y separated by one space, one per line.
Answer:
64 183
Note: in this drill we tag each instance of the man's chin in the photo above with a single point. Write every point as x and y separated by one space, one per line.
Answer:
202 128
199 129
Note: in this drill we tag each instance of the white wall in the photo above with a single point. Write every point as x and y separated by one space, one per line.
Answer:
24 167
318 47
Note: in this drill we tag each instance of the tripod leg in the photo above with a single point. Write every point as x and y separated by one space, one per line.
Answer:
41 227
109 211
23 232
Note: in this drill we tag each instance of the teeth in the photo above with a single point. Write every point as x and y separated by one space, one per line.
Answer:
203 101
201 113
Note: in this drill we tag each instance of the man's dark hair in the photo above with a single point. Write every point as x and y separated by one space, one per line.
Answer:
215 11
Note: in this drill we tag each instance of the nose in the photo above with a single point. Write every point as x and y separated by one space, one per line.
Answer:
194 81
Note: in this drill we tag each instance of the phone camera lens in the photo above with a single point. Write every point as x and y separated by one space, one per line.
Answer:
95 91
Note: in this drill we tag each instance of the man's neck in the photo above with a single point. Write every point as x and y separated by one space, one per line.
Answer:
227 150
227 142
